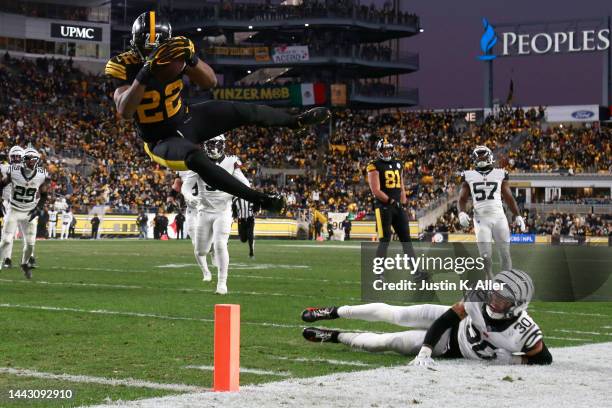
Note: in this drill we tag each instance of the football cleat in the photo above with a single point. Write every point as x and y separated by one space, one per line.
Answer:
27 271
7 263
32 262
313 116
317 335
312 314
207 276
221 289
275 203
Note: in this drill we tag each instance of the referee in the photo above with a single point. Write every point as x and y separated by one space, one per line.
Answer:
243 211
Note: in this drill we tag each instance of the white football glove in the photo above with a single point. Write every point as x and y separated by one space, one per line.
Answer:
464 219
520 222
505 357
423 359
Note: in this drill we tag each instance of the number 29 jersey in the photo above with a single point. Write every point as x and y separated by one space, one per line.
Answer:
389 177
478 335
486 190
162 109
24 188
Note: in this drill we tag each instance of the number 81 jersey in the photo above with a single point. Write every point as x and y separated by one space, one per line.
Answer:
389 177
486 190
24 188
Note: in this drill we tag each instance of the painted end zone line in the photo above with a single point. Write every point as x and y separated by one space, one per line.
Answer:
128 382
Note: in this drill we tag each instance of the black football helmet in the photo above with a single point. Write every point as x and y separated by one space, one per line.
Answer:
148 31
385 149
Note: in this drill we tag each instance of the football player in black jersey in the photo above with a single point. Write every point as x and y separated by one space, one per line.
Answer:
387 184
172 130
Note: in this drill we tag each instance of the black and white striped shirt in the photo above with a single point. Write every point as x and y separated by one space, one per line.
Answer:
244 208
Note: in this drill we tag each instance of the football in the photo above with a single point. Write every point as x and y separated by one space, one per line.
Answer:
170 71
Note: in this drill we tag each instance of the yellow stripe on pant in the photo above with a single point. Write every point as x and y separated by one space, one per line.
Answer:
171 164
379 225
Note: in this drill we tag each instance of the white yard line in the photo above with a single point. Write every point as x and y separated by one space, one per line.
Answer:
578 377
323 360
115 286
244 370
128 382
135 314
583 332
567 338
569 313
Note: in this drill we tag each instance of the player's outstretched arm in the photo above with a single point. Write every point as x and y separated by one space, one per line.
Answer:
451 317
508 198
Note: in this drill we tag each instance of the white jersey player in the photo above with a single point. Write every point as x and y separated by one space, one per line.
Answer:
53 223
67 217
215 214
15 157
487 186
497 329
28 196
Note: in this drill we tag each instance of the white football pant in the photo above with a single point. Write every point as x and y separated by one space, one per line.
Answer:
191 220
406 342
13 220
491 228
213 231
65 230
52 229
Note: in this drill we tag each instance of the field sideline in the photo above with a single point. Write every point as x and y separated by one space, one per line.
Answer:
128 319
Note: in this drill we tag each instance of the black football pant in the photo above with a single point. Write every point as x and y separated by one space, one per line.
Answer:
392 217
246 232
205 121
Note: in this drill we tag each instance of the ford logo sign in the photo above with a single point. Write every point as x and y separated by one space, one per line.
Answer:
583 114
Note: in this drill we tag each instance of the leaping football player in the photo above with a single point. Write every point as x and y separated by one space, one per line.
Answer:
172 130
488 186
494 327
28 196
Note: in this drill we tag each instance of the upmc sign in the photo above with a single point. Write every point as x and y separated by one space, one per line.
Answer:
513 44
69 31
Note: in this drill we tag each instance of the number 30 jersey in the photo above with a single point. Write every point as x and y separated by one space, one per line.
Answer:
486 190
479 335
389 177
24 188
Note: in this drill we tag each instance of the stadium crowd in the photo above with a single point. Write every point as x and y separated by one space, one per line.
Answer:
94 159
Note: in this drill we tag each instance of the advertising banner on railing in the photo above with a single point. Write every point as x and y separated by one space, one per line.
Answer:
264 94
291 53
259 53
523 238
572 113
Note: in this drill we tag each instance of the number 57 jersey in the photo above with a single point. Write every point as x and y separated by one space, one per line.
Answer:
25 188
486 190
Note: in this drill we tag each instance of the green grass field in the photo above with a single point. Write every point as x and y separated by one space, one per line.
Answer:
127 309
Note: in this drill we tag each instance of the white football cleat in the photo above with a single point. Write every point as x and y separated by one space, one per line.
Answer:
207 277
221 289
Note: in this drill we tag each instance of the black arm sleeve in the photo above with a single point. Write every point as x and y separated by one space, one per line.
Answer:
42 200
437 329
542 358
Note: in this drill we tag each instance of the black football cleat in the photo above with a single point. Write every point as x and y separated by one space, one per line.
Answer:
312 117
32 262
27 271
317 335
312 314
7 263
275 203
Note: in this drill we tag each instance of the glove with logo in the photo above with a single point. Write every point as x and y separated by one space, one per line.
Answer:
505 357
174 48
464 219
423 359
520 222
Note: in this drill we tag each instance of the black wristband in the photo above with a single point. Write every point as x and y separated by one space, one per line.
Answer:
439 326
144 75
193 61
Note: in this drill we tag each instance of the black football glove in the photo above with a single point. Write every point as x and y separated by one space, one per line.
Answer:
2 210
34 213
395 203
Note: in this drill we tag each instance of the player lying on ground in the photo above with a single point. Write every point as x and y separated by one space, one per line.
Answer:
488 186
492 330
29 193
149 89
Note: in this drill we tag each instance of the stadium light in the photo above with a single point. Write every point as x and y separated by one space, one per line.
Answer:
250 27
198 29
306 25
248 71
421 30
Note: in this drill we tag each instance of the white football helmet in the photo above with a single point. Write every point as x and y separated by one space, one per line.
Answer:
15 155
515 296
483 158
215 147
31 157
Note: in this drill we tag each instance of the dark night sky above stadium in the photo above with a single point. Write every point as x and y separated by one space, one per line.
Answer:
451 76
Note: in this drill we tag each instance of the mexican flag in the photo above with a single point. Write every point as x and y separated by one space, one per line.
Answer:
308 94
